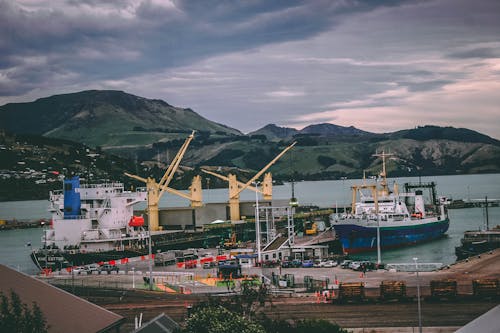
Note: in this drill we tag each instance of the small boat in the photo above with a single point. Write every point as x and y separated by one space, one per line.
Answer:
476 242
400 218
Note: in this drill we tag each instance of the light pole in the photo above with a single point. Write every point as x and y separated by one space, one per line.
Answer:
257 222
133 277
379 255
149 263
418 297
208 189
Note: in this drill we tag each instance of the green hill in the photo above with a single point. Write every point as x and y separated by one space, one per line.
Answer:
105 118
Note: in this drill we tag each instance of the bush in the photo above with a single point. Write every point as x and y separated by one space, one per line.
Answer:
217 319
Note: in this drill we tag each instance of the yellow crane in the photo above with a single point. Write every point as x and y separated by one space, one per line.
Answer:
156 190
236 187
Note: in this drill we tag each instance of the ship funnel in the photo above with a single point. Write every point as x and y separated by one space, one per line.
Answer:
71 197
419 203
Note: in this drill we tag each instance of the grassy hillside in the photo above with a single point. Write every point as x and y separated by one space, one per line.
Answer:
104 118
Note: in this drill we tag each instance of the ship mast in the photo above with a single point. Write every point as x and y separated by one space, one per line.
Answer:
383 174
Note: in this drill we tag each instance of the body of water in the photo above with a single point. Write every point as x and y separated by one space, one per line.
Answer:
15 252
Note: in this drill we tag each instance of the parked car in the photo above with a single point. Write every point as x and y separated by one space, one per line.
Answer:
330 263
78 270
211 264
345 263
365 266
108 268
355 265
318 263
307 263
296 263
89 269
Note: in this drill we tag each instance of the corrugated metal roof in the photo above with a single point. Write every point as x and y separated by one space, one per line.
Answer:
63 311
486 323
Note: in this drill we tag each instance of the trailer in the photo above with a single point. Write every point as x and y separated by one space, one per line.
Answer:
488 288
446 288
351 292
392 290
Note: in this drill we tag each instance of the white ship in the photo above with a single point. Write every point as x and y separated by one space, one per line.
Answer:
91 223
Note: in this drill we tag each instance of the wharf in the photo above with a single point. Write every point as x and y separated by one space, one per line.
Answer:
115 294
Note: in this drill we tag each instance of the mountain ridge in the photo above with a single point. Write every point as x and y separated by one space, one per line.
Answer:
150 131
103 118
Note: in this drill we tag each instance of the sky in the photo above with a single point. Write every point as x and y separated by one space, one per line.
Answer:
380 66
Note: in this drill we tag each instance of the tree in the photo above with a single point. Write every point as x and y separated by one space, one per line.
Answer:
218 319
17 317
326 161
317 326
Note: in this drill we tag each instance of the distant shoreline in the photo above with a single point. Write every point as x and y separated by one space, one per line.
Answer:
22 224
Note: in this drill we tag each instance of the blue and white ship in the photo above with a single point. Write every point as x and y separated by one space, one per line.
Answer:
402 218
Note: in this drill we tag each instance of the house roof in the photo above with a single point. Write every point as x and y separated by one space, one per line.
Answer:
159 324
63 311
486 323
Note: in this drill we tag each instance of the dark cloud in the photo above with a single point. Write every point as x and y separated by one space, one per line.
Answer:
116 39
425 86
483 53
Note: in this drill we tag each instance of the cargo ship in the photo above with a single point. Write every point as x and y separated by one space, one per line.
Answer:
399 218
95 223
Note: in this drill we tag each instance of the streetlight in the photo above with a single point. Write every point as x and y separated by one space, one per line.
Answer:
418 298
149 263
208 189
257 222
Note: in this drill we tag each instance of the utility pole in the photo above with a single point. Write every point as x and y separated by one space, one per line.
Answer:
149 263
418 298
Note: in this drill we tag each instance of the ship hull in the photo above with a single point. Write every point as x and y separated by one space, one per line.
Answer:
55 259
356 238
477 242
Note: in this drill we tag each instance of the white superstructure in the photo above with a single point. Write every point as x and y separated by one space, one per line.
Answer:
102 220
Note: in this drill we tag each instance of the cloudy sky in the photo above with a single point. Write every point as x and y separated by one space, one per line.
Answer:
377 65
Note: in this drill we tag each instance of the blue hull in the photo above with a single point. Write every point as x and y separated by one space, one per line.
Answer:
356 239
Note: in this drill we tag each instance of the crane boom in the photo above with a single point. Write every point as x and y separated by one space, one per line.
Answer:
216 175
156 190
175 163
144 180
266 167
236 187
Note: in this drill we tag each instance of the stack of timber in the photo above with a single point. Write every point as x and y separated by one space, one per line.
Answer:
390 290
351 292
485 288
443 288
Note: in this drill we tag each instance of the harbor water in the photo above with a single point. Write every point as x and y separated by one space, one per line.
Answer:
15 244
